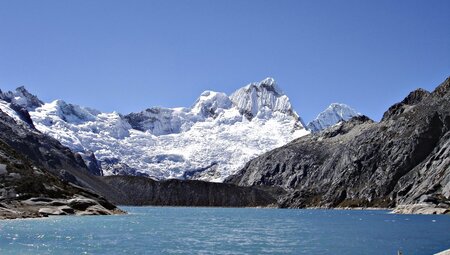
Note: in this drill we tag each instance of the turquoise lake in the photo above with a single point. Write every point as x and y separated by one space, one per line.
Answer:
183 230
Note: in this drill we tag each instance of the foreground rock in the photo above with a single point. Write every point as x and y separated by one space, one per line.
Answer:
403 160
421 209
44 207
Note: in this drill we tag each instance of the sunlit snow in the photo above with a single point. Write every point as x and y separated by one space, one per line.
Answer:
219 132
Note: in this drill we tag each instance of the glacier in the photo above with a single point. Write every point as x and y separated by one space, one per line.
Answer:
210 140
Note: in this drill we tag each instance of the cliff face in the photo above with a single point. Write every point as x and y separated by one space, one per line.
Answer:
145 191
404 159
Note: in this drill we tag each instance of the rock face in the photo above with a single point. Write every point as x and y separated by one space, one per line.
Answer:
22 98
403 160
145 191
423 208
256 98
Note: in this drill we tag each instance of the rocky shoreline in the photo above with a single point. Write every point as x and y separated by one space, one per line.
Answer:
422 208
417 209
43 207
81 206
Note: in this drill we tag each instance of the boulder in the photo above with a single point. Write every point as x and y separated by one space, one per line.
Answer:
96 210
3 169
46 211
66 209
81 203
422 208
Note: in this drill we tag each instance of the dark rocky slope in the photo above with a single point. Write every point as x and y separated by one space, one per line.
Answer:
40 177
402 161
145 191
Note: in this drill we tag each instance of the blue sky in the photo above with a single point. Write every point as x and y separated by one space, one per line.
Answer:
130 55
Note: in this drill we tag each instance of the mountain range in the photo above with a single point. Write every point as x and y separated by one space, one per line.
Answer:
401 162
210 140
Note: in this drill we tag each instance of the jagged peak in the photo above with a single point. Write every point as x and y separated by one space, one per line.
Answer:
22 89
443 88
23 98
263 95
268 84
413 98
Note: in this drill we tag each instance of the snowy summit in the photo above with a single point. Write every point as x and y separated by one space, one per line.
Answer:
334 114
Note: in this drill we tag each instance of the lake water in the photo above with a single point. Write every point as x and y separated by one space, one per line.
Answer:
181 230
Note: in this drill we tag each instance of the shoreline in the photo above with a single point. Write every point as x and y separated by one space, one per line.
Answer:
42 207
30 215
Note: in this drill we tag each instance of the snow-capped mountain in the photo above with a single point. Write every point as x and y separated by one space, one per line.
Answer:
22 98
334 114
17 104
210 140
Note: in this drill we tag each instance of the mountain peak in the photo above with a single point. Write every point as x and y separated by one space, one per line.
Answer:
23 98
261 96
23 90
268 84
334 114
443 88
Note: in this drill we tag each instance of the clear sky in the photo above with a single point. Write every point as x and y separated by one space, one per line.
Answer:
130 55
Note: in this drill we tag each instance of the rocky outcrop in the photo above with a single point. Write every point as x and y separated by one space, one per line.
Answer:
403 160
423 208
412 99
91 162
45 206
